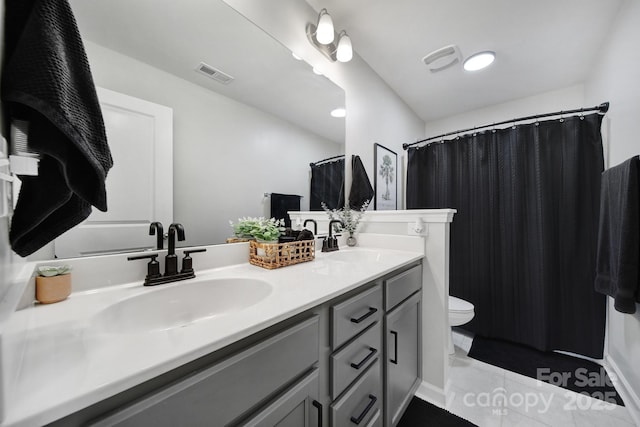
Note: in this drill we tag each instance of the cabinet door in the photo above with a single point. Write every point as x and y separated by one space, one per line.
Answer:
297 407
402 336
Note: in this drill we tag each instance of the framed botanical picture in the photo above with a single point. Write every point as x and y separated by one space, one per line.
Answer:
385 180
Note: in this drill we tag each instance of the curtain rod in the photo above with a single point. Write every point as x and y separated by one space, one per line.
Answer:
601 109
326 160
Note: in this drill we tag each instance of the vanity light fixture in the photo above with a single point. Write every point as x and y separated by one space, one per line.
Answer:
479 60
339 112
324 29
322 37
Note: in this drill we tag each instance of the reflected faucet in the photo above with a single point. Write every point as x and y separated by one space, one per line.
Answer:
156 228
315 225
171 260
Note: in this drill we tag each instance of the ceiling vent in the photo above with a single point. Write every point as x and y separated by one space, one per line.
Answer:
442 58
213 73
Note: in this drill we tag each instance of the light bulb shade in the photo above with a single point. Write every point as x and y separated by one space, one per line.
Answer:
479 60
345 49
324 32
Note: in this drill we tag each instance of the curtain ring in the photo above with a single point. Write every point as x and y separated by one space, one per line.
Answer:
561 117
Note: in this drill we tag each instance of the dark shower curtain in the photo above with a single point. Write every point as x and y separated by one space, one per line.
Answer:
327 185
523 242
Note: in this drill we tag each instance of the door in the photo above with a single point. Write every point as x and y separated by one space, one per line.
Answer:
297 407
402 328
140 184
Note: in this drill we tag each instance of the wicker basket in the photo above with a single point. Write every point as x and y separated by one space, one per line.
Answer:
276 255
238 239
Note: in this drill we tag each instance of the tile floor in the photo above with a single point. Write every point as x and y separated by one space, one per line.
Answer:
493 397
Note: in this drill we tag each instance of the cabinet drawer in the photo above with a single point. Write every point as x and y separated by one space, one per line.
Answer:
400 287
360 403
355 358
230 388
354 315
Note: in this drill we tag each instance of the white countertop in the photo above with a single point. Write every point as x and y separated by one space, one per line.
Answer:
66 365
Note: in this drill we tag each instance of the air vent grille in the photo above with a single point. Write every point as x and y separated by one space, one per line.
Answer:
442 58
214 73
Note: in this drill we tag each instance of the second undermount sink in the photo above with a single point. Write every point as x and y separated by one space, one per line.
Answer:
355 255
180 304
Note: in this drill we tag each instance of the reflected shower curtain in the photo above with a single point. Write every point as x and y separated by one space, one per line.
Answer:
523 242
327 185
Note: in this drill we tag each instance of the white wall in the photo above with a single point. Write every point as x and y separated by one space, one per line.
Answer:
226 154
9 262
615 78
562 99
374 112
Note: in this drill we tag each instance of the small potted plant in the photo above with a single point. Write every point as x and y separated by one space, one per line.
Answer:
53 283
261 229
349 217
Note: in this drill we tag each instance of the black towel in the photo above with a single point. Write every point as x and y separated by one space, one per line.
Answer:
47 82
618 259
327 185
361 189
281 204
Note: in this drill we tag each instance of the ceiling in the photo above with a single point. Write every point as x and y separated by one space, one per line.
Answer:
541 45
175 36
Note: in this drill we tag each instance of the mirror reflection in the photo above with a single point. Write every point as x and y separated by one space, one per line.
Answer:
191 148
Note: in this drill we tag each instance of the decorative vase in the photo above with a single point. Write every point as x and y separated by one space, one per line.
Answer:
351 240
53 289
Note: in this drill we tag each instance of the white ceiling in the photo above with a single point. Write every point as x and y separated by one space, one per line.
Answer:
176 36
541 45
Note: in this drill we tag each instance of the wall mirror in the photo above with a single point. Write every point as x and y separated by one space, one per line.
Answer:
233 142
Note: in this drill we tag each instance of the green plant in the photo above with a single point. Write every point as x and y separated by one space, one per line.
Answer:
49 271
349 217
258 228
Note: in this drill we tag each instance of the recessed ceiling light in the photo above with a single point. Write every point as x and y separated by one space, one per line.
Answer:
318 71
339 112
479 60
296 56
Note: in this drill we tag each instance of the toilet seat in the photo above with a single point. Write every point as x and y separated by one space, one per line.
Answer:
460 311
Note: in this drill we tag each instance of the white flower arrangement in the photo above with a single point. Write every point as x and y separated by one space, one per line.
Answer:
349 217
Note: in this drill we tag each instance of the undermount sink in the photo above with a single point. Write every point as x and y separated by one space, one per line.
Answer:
355 255
180 304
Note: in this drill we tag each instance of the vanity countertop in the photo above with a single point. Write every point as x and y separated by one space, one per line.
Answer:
66 364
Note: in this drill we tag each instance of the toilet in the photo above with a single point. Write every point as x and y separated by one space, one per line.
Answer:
460 312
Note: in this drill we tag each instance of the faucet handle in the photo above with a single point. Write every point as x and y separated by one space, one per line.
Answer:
187 261
153 266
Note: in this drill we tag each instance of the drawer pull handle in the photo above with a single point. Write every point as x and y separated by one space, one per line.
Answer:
395 348
371 311
372 352
372 401
318 405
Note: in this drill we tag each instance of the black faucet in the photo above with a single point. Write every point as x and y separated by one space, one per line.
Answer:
315 225
330 244
171 260
156 228
171 273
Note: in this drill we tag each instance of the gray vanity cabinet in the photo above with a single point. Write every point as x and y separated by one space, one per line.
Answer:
403 300
278 370
352 361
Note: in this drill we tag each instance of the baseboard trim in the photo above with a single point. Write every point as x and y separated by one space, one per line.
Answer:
432 394
631 399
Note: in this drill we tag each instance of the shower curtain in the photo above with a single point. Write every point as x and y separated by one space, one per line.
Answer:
523 242
327 185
